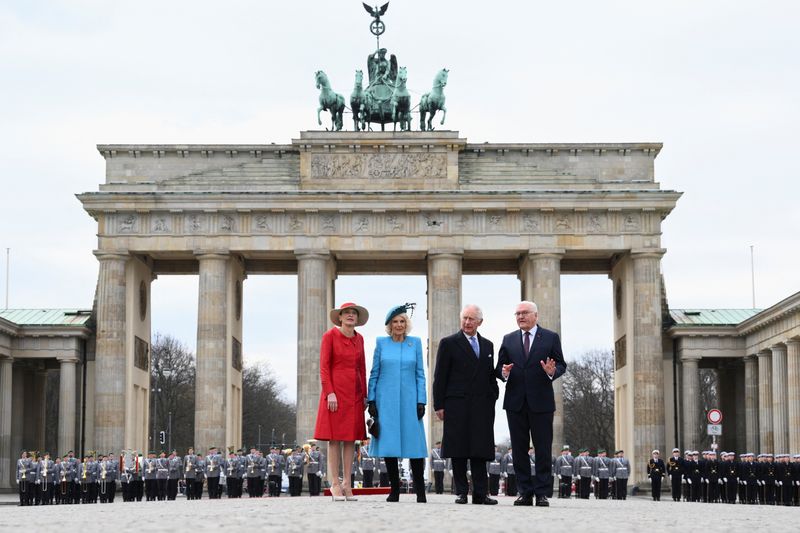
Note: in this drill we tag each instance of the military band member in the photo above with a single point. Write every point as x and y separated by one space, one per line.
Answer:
314 471
656 470
88 480
367 465
438 466
355 468
44 479
200 475
275 464
150 473
174 471
190 473
601 472
127 461
620 471
383 475
295 464
675 472
60 489
24 482
212 470
233 474
106 482
494 468
252 472
508 473
582 468
563 470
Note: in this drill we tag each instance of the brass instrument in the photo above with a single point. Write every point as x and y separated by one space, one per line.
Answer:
251 466
189 464
24 471
230 469
85 469
44 469
150 466
103 471
211 463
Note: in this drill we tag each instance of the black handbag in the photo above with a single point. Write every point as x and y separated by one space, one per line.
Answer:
373 428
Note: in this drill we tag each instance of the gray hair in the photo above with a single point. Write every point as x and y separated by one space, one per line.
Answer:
408 324
477 309
531 304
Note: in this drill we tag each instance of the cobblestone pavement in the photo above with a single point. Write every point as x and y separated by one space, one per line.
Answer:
372 513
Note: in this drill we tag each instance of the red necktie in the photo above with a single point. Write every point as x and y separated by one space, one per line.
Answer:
527 344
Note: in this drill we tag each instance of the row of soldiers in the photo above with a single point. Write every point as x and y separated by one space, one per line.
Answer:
605 476
711 477
67 480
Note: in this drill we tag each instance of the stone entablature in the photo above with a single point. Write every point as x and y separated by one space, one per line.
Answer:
776 324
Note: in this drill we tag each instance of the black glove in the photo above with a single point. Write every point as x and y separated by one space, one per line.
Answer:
420 410
372 409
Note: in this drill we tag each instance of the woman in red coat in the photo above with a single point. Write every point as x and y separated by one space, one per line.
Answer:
342 371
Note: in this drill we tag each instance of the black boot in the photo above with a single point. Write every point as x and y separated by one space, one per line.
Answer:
393 471
418 476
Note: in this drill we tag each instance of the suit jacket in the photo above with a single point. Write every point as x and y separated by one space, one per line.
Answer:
465 387
528 382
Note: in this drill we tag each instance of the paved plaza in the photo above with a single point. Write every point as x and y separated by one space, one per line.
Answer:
372 513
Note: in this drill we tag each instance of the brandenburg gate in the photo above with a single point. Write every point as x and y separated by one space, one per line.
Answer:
363 203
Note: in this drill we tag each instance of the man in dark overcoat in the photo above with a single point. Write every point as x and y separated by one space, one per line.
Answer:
464 394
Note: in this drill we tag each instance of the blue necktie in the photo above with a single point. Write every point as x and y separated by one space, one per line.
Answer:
474 342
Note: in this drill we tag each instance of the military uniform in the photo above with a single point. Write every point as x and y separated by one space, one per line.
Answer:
295 464
770 476
509 474
25 484
675 471
582 467
200 477
367 467
190 474
212 471
252 472
62 481
713 477
314 472
45 474
150 481
795 469
729 471
695 477
234 471
274 465
438 466
656 470
383 474
106 481
494 468
175 468
620 471
563 471
601 472
87 481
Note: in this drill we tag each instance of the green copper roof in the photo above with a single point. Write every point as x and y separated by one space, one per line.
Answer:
47 317
711 317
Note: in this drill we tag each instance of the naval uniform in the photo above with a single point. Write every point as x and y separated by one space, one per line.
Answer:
656 470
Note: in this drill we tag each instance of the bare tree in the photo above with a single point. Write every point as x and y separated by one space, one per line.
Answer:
264 407
589 401
172 378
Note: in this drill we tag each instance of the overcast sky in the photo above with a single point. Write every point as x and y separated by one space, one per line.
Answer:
715 81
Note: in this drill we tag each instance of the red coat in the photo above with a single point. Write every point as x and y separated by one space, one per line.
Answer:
342 370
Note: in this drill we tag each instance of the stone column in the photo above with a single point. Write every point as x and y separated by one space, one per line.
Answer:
766 442
67 405
691 401
444 308
6 386
541 283
793 394
110 368
313 284
648 366
780 415
210 390
751 402
39 408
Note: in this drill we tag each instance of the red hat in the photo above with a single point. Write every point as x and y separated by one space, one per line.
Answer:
363 314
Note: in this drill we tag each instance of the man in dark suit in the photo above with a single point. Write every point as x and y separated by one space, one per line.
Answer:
529 360
464 393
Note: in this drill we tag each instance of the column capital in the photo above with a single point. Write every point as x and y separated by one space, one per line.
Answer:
779 347
310 253
211 254
690 358
67 359
552 253
446 252
792 342
766 352
103 255
750 357
643 253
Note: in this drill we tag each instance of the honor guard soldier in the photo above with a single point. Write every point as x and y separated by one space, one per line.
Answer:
656 470
274 468
162 476
582 468
563 470
695 476
509 474
296 466
212 470
438 466
150 473
675 471
174 475
367 465
729 471
190 473
783 480
252 472
24 482
314 471
233 477
114 477
44 479
494 468
620 471
355 468
138 477
383 475
713 477
601 472
748 475
795 468
105 479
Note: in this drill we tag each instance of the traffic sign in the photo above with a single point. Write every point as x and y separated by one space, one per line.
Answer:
715 429
714 416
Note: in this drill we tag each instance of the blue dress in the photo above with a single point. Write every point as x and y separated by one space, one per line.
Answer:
397 385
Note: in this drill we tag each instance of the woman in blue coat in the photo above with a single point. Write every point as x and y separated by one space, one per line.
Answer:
397 398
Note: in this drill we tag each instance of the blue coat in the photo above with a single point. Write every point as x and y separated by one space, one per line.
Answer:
397 385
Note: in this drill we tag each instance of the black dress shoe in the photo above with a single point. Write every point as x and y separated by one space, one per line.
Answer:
484 501
541 501
524 500
462 499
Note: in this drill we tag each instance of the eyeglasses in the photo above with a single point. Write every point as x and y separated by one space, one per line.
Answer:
522 313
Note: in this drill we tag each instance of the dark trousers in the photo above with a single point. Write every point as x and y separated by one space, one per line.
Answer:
438 481
151 488
314 484
675 485
656 484
527 426
479 478
384 479
45 494
161 489
197 488
274 486
190 488
24 489
601 489
252 483
511 485
584 484
621 488
295 485
213 488
172 489
368 475
565 487
494 484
